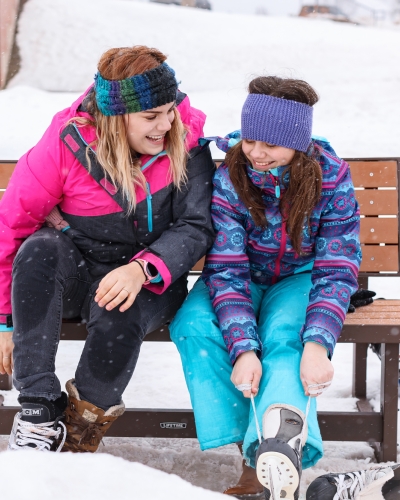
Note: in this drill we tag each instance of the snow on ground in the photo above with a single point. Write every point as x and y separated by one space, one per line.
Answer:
357 73
83 476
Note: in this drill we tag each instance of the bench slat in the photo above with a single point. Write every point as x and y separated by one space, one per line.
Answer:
199 266
390 321
378 202
177 423
381 306
373 174
6 170
379 230
380 259
372 315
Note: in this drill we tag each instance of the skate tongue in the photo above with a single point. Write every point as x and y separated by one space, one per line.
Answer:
36 413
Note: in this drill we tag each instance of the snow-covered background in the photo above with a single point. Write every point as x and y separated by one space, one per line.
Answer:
356 70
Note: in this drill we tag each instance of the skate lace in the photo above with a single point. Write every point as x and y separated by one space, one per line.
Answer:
40 435
350 484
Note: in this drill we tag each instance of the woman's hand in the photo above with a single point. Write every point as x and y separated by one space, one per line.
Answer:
6 349
55 220
315 368
247 370
122 284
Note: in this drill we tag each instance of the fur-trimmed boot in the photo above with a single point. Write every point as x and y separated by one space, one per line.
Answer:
86 423
248 486
279 456
380 482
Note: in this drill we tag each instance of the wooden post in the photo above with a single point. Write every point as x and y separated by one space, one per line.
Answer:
360 352
8 22
389 401
5 382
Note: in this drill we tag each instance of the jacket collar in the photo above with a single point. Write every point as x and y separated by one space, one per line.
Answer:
265 179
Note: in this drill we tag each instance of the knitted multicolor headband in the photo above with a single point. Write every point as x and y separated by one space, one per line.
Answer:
148 90
277 121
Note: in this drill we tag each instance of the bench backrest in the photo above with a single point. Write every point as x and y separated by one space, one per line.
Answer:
376 181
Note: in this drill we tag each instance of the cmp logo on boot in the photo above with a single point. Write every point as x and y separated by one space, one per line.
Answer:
35 413
30 412
173 425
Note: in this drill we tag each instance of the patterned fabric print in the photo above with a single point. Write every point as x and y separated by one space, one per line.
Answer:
243 252
148 90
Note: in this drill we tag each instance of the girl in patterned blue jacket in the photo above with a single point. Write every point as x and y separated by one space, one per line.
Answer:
274 291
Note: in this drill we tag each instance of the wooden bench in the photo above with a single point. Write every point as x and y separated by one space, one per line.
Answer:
376 182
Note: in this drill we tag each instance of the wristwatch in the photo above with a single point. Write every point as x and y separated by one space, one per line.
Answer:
150 272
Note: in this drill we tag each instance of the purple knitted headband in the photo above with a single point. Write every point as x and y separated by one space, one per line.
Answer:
277 121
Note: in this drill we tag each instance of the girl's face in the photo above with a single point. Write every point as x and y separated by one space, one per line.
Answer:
264 156
146 130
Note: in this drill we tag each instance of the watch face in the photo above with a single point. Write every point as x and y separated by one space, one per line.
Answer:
151 270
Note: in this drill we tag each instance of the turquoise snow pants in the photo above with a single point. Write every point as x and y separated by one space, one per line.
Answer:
223 415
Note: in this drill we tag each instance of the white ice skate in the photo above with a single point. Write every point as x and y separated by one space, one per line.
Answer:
279 455
377 483
48 436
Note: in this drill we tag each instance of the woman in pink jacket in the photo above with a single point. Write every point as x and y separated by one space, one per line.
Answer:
133 191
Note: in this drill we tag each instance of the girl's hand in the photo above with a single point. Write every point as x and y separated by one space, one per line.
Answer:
6 349
247 370
122 284
315 367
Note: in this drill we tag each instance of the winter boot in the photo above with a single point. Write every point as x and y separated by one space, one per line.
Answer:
86 423
279 455
39 425
377 483
248 487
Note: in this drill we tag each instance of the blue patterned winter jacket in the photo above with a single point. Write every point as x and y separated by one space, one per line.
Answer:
243 252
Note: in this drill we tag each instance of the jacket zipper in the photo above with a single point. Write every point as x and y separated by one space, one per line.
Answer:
277 188
149 208
282 246
282 249
148 192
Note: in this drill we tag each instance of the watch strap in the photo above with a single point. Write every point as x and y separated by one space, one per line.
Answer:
6 320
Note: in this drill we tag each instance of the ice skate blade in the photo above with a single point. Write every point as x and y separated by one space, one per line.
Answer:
250 496
277 474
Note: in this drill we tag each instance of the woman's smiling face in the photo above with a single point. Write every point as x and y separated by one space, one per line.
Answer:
264 156
146 130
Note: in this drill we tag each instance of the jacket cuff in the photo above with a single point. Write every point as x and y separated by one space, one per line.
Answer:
162 269
320 336
4 328
242 346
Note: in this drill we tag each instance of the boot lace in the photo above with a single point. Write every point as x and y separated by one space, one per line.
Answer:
83 432
91 435
42 436
350 484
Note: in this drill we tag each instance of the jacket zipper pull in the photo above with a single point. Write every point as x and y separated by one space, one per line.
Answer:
149 208
277 188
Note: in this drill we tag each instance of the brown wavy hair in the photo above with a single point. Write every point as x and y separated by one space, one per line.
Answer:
112 148
303 191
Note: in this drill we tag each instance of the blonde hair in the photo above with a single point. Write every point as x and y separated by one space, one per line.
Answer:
112 147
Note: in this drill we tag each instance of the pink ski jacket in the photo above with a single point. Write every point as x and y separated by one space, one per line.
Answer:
180 230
